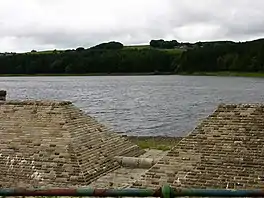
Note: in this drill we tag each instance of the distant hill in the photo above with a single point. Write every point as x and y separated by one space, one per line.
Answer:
158 57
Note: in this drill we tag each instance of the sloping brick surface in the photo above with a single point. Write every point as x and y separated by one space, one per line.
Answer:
225 151
48 143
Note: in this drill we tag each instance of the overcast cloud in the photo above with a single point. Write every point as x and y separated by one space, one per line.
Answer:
61 24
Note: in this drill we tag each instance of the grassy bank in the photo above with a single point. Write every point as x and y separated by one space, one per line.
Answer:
225 73
151 142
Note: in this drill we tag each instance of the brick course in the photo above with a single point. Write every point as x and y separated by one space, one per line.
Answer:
49 143
225 151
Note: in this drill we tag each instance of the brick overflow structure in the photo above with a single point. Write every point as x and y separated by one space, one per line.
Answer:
49 143
225 151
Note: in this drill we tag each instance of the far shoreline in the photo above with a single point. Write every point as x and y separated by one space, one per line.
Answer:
223 74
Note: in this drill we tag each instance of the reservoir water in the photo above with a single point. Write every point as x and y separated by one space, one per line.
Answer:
141 105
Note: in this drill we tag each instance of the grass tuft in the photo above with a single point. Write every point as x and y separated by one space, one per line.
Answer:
152 142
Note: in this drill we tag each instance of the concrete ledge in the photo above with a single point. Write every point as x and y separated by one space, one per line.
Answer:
136 162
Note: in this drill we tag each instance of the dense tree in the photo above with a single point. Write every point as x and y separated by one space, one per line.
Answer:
79 49
225 56
163 44
112 57
110 45
93 60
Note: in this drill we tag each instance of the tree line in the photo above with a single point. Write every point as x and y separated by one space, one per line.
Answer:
224 56
103 58
114 57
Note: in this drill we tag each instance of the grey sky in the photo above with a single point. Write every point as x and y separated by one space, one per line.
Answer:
60 24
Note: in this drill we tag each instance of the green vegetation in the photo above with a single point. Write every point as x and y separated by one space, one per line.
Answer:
108 60
161 44
137 47
246 57
44 52
108 46
220 58
172 51
151 142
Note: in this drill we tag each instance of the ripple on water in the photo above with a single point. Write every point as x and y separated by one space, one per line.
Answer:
141 105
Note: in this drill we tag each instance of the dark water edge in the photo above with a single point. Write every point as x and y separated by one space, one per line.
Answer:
223 73
91 74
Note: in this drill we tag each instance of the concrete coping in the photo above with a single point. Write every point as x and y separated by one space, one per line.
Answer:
136 162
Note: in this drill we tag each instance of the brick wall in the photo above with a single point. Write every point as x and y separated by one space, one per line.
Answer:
225 151
56 144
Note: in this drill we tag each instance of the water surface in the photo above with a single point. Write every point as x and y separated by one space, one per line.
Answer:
141 105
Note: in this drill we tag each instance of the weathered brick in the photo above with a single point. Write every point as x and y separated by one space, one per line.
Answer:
54 143
223 151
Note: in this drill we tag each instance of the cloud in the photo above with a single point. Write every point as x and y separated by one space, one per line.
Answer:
61 24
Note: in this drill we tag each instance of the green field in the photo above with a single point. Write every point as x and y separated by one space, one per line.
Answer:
125 47
136 46
44 52
173 51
